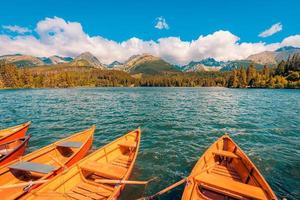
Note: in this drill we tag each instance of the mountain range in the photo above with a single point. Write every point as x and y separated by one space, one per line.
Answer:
274 57
146 64
149 64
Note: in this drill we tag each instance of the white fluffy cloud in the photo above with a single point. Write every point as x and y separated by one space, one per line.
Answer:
17 29
272 30
293 40
55 36
161 23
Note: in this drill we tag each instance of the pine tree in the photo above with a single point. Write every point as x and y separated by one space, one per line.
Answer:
242 78
251 74
233 80
266 72
280 69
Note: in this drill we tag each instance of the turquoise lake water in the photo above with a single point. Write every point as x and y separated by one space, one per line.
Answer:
178 124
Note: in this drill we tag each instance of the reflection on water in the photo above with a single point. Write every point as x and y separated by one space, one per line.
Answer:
178 124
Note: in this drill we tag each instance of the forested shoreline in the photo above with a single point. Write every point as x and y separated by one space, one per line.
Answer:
285 75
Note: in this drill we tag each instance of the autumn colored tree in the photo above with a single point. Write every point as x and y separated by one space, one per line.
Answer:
251 74
233 81
242 78
9 75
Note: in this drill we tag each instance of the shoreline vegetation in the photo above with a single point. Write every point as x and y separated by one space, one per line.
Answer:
285 75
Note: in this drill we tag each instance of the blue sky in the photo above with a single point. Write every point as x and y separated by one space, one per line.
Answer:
121 20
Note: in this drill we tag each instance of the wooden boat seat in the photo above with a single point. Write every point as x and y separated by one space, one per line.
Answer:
229 186
32 167
122 160
226 171
92 191
105 170
70 144
227 154
128 144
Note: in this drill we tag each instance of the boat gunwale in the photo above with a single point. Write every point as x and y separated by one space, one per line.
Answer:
85 159
107 145
5 168
269 192
119 187
19 128
24 142
52 146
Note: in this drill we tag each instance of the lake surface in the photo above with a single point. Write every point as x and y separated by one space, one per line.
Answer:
178 124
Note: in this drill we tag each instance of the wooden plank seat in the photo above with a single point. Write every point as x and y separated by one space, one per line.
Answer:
122 160
74 195
128 144
78 196
70 144
226 171
229 186
103 190
32 167
106 170
227 154
95 192
88 193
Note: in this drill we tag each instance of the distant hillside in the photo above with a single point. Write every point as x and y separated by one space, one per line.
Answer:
22 60
208 64
115 64
158 73
274 57
231 65
266 57
54 60
285 52
87 59
30 61
147 64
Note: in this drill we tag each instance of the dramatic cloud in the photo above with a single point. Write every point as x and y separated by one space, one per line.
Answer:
17 29
161 23
271 31
55 36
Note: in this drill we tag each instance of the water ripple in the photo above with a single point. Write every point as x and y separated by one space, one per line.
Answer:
178 125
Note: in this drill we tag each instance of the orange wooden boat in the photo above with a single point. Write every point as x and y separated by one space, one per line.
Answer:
113 162
13 133
225 172
13 150
43 164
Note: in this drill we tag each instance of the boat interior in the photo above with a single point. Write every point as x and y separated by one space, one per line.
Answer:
112 162
43 161
8 147
227 173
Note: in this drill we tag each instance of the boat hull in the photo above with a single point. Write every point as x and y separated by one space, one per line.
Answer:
56 157
14 133
18 150
113 162
225 172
